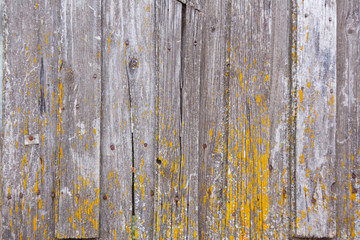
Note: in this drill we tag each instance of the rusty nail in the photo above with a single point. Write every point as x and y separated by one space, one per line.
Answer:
9 197
126 42
77 106
151 193
158 161
145 144
176 198
112 147
306 15
354 190
353 175
331 90
62 193
21 195
188 204
38 192
52 195
270 167
105 197
169 48
313 201
63 109
94 76
195 42
31 138
204 146
330 19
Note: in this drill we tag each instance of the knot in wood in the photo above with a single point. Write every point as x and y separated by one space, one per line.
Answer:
133 63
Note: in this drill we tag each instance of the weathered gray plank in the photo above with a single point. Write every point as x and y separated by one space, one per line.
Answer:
30 119
79 120
190 98
168 223
249 140
348 120
238 216
116 134
140 62
279 94
315 123
213 129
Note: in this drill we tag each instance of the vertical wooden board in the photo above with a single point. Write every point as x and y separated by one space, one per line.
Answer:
213 120
347 120
190 99
30 119
168 223
279 102
116 135
315 123
249 139
79 120
238 197
140 62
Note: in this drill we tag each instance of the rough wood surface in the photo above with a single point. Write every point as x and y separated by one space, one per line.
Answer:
190 100
180 119
79 120
249 120
279 108
212 127
116 132
316 119
141 66
348 120
168 223
29 110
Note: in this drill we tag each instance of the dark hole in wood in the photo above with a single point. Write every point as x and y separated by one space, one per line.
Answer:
158 161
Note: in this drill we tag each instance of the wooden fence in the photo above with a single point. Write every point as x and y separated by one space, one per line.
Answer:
192 119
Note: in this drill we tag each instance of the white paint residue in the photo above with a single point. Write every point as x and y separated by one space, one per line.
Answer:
81 126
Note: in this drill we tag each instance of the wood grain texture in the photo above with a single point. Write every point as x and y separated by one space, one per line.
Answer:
116 131
279 113
79 120
315 122
180 119
168 223
249 127
213 122
29 110
190 98
141 66
348 120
